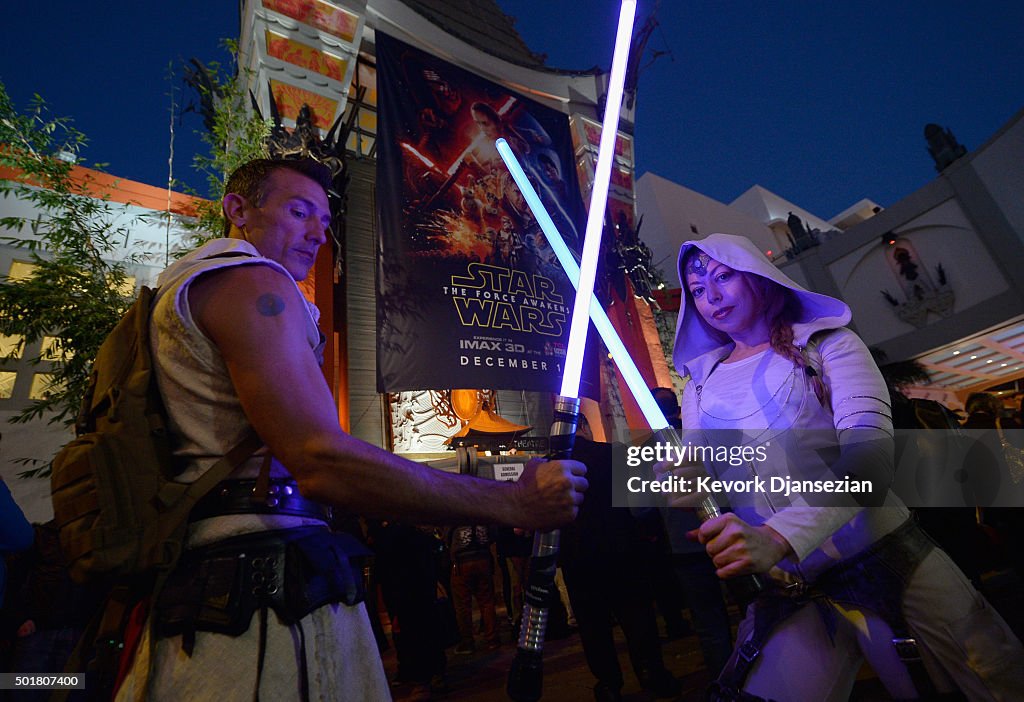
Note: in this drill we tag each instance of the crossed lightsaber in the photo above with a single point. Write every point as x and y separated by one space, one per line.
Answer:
525 681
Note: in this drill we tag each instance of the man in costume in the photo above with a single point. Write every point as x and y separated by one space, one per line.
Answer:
263 600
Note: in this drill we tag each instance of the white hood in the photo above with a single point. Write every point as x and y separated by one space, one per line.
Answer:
694 337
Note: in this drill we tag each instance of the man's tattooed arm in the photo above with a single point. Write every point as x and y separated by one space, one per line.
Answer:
270 305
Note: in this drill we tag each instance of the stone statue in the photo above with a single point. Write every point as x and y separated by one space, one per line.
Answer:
943 146
796 227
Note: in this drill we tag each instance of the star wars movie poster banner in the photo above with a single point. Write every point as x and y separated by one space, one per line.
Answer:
469 293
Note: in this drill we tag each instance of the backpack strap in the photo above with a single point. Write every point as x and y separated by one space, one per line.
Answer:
769 612
192 493
249 445
185 495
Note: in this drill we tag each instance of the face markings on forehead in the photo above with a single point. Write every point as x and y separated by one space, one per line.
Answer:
270 305
698 264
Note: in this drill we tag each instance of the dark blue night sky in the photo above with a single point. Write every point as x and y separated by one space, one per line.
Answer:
822 103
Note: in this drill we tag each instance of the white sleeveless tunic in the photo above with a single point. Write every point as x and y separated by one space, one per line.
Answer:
207 421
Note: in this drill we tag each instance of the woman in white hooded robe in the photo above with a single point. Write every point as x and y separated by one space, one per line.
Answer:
771 366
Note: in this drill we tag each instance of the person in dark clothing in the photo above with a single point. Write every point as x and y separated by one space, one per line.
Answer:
668 403
606 559
15 537
405 563
693 570
668 594
51 610
989 456
514 547
955 529
15 530
984 461
472 577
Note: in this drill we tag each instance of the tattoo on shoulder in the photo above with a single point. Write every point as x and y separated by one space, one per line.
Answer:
270 305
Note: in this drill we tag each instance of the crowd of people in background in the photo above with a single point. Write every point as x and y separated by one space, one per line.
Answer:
424 579
978 539
230 326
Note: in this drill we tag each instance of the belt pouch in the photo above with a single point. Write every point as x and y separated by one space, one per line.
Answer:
321 568
219 587
212 593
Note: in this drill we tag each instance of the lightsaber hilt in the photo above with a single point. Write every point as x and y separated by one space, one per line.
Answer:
526 677
744 588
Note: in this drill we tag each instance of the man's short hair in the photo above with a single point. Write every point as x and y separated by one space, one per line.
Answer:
982 402
248 180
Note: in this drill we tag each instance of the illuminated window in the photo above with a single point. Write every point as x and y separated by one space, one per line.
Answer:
368 121
363 101
127 286
7 379
10 347
42 386
20 270
51 350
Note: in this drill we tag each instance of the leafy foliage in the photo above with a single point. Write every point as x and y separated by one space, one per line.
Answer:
77 242
898 375
233 134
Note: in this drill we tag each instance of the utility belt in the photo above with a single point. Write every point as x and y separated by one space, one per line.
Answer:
218 587
247 496
874 579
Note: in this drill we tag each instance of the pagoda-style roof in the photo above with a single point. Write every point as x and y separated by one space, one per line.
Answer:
482 24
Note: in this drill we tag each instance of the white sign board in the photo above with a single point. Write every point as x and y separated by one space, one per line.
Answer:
508 472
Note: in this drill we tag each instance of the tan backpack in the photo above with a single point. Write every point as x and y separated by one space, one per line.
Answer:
115 500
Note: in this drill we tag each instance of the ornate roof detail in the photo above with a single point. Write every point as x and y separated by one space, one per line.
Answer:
482 24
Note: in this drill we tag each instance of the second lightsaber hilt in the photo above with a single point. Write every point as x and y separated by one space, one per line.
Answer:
526 677
743 587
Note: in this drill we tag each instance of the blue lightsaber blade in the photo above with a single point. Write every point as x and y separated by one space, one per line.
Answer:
627 367
525 680
598 203
745 587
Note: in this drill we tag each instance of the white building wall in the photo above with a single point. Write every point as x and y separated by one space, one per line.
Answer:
766 206
999 168
796 273
942 235
146 234
33 440
970 219
671 212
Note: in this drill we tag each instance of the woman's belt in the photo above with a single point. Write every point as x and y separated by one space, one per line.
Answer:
238 496
874 579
